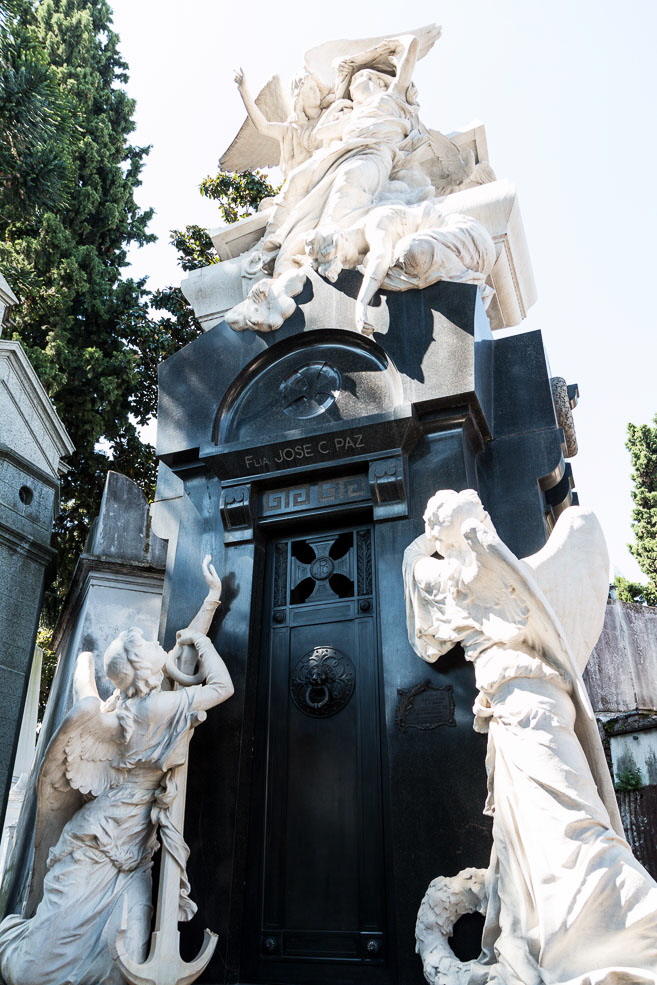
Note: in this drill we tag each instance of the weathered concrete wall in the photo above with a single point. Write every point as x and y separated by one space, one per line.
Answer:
622 672
621 679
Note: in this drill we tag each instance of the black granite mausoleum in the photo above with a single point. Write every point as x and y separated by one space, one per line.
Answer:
344 774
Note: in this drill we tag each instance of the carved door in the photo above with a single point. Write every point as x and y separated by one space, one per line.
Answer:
317 880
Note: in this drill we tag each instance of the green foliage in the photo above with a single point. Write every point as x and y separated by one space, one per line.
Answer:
642 445
628 774
634 591
194 247
239 194
35 169
48 666
85 327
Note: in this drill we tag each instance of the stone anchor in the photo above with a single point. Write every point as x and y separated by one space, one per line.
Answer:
164 965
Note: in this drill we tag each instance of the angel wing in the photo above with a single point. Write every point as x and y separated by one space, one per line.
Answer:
249 149
572 570
572 574
82 758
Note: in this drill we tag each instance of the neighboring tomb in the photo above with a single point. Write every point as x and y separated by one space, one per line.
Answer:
33 446
117 583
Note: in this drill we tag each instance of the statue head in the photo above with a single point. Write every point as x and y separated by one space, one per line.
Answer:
263 310
133 664
446 513
366 83
307 96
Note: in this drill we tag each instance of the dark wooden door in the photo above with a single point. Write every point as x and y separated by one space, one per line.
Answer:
316 892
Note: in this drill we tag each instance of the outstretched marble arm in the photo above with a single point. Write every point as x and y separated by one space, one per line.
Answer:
264 126
181 659
402 52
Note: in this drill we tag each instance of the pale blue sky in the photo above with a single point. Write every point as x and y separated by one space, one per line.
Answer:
566 91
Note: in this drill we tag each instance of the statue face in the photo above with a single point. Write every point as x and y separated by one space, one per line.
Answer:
260 313
121 673
365 84
445 515
154 654
308 99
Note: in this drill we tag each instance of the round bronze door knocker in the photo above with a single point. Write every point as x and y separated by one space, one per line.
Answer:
322 682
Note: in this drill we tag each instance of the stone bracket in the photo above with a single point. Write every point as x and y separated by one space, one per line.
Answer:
236 514
388 487
559 495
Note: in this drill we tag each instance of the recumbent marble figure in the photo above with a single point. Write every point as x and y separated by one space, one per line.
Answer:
105 791
564 899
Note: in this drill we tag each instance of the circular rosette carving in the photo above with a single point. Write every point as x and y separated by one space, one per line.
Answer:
322 682
310 390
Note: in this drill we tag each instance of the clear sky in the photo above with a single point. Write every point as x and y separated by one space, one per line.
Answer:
566 89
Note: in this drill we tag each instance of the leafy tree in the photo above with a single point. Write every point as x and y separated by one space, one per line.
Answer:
238 195
642 445
84 326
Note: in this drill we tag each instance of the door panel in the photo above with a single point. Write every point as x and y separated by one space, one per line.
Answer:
317 878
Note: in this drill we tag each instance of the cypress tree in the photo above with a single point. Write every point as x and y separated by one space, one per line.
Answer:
84 325
642 446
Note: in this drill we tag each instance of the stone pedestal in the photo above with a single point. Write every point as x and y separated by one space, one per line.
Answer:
33 443
319 810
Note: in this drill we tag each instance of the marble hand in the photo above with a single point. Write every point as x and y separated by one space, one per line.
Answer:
212 579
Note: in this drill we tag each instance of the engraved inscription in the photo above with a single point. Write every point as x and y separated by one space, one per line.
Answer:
425 706
313 449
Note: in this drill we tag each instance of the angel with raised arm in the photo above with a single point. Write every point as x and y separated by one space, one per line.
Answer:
295 134
104 793
566 900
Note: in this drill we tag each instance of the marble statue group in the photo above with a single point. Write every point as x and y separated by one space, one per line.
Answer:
365 183
564 899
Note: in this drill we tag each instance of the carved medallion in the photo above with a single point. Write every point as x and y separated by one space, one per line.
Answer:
322 682
322 568
311 390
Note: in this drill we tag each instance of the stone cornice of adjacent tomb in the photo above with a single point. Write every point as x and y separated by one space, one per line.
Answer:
96 572
26 546
13 361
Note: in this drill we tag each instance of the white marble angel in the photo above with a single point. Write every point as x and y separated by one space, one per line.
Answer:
567 903
105 792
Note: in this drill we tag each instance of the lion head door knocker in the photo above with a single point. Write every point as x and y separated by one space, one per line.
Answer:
322 682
